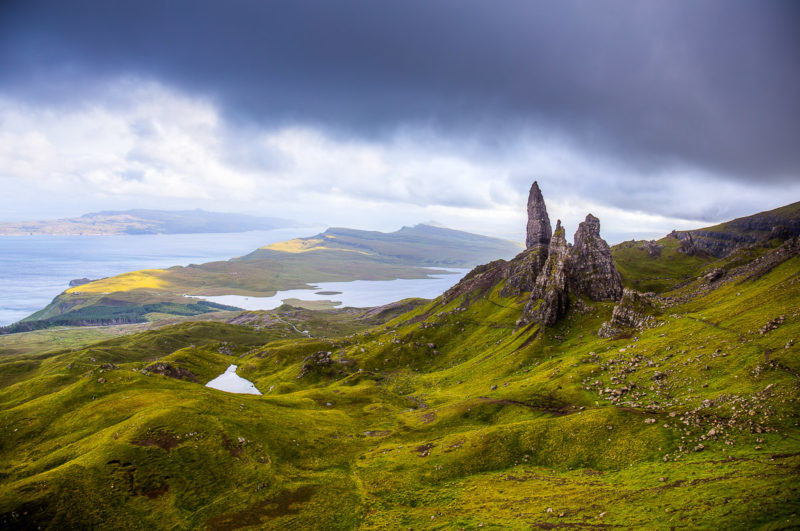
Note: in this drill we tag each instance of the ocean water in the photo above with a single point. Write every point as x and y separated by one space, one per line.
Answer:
35 269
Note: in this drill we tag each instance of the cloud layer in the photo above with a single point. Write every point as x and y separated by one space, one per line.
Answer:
380 113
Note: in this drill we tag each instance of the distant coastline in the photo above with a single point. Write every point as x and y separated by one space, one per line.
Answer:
142 221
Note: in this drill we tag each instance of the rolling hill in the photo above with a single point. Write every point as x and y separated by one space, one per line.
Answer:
537 393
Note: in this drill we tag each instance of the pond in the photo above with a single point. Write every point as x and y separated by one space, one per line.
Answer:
233 383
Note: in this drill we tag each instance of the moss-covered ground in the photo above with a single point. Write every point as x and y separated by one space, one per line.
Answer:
446 416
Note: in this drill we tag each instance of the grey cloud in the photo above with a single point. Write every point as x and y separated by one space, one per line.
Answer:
709 83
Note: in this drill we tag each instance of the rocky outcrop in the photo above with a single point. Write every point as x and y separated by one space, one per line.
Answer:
653 249
521 272
584 270
634 311
539 232
171 371
549 269
550 298
592 271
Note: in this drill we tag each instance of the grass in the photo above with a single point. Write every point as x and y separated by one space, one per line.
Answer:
430 415
145 279
661 273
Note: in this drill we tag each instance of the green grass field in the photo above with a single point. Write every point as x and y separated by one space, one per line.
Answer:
425 416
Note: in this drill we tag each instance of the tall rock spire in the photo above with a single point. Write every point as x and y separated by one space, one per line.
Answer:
524 269
539 231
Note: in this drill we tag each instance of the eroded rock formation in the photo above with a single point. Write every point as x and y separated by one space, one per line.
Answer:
593 272
549 268
550 297
539 232
634 311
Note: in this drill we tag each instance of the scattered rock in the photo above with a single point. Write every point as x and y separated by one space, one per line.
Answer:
772 325
714 274
169 370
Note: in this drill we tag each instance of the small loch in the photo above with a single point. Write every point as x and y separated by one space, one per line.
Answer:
356 293
233 383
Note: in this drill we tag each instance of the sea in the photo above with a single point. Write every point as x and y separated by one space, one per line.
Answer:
35 269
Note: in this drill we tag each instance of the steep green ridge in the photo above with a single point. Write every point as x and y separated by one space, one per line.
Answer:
447 416
354 255
144 221
720 240
682 255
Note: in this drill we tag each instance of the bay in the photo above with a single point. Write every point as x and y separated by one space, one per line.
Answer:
35 269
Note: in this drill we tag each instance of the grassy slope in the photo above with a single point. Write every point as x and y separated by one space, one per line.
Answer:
406 428
658 274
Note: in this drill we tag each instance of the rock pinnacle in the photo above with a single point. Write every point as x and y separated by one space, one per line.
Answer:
539 231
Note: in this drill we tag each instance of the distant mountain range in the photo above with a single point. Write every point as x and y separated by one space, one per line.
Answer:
143 221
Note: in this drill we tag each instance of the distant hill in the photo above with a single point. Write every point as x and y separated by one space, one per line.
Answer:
143 221
417 245
336 255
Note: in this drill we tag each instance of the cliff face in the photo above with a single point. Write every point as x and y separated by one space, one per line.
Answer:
720 240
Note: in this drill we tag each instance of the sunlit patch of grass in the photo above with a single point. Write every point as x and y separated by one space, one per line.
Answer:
144 279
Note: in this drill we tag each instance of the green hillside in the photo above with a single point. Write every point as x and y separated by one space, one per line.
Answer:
448 415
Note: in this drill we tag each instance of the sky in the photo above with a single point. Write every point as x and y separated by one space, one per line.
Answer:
651 115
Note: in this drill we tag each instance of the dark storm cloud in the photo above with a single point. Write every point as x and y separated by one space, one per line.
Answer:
712 84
